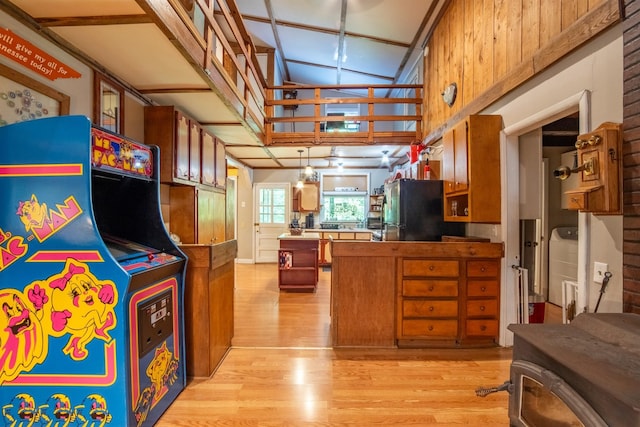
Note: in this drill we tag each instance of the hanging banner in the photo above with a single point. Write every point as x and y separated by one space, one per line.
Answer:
23 52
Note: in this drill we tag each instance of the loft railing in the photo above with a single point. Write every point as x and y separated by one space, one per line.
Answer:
213 35
343 115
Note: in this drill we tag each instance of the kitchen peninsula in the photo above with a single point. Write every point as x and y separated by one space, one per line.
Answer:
415 294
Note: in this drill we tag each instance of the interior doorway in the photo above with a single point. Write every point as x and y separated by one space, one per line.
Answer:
548 230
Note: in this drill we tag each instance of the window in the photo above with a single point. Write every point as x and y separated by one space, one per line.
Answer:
108 104
342 110
272 206
344 208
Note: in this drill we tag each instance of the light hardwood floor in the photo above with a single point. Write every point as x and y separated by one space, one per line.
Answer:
281 371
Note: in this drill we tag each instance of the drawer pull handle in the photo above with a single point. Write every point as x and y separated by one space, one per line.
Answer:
483 328
430 327
482 308
431 288
483 269
431 308
483 289
431 267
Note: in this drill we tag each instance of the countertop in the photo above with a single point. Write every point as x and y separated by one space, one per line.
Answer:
303 236
338 230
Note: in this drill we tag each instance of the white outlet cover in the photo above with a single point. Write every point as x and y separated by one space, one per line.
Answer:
599 268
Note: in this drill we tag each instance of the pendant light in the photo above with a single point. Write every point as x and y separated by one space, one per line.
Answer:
308 171
385 157
300 184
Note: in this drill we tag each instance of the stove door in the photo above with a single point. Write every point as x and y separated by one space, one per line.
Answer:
540 398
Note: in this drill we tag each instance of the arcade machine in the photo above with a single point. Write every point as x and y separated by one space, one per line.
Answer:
91 284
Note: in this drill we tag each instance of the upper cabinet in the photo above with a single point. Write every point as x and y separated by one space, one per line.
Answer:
307 198
471 170
188 154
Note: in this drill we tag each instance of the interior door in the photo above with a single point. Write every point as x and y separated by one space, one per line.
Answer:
272 211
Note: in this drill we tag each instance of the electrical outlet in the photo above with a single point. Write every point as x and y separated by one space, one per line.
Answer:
599 268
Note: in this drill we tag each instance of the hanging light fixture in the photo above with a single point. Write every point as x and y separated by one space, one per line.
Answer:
385 157
308 171
300 184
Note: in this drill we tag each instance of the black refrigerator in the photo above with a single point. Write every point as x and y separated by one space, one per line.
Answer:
412 210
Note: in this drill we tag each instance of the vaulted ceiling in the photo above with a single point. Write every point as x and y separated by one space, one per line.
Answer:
317 42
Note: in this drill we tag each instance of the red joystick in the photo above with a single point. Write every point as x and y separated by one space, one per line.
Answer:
150 257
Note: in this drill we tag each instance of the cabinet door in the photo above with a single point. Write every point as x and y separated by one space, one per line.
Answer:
182 147
219 217
194 152
208 159
206 207
448 159
183 213
310 197
221 164
460 157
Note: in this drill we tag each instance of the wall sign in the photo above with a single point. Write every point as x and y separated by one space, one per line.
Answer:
23 52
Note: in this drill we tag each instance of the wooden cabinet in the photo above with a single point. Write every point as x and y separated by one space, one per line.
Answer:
208 159
298 262
428 302
482 300
188 154
449 302
471 170
208 298
307 198
197 215
221 164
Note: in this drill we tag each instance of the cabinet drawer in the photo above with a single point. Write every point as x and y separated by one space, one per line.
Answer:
429 308
430 288
482 327
429 327
482 308
483 268
577 200
430 268
482 288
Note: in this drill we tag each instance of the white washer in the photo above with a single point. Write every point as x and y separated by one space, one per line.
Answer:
563 260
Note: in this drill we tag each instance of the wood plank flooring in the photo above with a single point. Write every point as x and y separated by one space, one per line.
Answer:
281 371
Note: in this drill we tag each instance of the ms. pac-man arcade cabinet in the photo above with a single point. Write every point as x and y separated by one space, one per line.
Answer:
91 284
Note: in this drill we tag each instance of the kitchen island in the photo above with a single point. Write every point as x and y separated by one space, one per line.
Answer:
415 294
332 234
298 262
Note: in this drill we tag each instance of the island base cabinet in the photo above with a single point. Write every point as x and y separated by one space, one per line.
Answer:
298 264
448 303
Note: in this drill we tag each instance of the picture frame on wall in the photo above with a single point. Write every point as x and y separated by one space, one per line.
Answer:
23 98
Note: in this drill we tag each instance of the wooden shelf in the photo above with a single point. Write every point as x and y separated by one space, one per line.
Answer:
298 264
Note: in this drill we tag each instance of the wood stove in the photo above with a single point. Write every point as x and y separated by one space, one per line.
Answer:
586 373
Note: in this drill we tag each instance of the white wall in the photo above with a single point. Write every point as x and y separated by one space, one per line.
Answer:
598 69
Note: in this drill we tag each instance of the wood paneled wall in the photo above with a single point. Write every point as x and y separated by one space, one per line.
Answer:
490 47
631 160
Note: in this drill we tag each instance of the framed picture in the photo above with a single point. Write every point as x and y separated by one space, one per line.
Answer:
23 98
